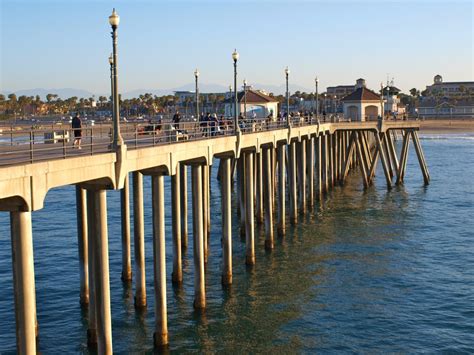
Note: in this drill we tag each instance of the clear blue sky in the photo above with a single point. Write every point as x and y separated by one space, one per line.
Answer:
57 44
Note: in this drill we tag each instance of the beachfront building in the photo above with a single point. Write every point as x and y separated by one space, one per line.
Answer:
449 89
447 99
257 103
333 95
361 105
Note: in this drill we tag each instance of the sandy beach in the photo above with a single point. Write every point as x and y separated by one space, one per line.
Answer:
447 126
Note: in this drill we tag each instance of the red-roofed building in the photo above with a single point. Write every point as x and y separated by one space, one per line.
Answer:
361 105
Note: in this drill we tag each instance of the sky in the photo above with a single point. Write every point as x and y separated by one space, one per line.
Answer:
65 44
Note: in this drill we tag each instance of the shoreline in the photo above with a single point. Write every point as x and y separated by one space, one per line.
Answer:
447 126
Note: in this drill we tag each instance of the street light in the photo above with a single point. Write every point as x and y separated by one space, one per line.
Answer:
335 104
245 98
114 21
287 72
196 76
235 57
316 81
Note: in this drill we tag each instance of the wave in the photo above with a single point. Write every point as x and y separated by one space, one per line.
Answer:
467 136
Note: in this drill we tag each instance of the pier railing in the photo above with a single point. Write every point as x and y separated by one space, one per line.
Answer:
26 144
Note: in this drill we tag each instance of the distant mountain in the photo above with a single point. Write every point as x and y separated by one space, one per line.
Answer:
63 93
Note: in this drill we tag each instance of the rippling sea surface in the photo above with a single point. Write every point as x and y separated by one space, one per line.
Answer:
367 271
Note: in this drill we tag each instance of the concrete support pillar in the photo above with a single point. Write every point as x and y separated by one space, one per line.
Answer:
198 240
268 197
177 274
91 231
329 145
139 240
125 218
23 281
249 214
205 209
281 189
160 336
310 170
98 239
302 177
184 204
226 198
81 212
319 167
259 188
241 192
292 183
326 162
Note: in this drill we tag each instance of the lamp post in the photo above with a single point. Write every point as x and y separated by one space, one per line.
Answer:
235 57
325 103
388 93
316 81
381 101
287 72
245 98
335 104
111 62
196 76
230 100
114 21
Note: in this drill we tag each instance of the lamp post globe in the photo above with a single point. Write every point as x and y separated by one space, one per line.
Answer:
111 59
114 21
235 58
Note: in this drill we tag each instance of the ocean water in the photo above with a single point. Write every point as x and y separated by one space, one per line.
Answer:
368 271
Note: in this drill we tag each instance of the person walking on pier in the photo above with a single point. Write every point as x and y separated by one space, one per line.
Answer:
176 119
77 128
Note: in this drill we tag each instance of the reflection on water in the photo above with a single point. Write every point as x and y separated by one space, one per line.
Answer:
366 271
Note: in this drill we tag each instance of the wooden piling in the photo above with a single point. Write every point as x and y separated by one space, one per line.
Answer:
184 204
268 197
177 274
281 150
126 275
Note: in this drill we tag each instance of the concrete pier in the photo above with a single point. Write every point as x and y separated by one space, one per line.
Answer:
198 239
328 150
82 243
125 217
139 240
226 221
249 214
268 197
184 204
281 189
177 274
23 281
160 335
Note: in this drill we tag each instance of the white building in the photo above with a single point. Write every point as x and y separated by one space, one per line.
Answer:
259 104
363 104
